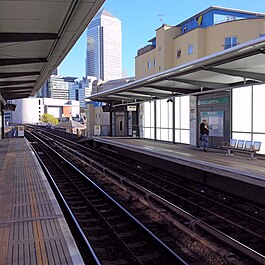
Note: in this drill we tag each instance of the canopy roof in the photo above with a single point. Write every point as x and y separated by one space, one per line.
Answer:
35 36
238 66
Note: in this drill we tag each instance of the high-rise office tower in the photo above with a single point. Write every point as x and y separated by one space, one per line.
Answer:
104 59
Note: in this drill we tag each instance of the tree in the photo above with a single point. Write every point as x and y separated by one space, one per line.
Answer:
46 117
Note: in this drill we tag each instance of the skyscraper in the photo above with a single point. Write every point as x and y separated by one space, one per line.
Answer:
104 59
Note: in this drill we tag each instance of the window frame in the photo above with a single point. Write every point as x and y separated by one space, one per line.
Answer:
178 54
230 42
190 49
149 64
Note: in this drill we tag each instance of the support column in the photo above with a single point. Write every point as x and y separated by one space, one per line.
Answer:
174 119
2 122
155 136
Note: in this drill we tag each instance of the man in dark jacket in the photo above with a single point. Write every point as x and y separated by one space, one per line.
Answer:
204 133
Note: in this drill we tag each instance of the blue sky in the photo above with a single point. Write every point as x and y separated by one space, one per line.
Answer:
140 19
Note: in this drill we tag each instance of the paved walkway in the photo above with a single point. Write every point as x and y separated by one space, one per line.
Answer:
32 227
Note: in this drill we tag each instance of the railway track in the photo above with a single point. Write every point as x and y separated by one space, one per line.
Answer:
115 236
212 216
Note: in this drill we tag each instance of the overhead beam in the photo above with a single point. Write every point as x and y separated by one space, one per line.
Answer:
13 61
117 97
204 84
17 90
243 74
16 96
24 37
158 94
135 96
180 91
18 87
13 83
17 74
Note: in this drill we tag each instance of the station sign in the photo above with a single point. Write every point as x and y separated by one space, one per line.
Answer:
131 108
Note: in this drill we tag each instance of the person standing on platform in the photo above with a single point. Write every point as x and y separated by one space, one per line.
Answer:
204 134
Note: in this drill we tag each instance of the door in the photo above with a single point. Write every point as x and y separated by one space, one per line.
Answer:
119 125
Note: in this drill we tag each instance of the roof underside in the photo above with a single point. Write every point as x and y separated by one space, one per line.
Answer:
238 66
35 36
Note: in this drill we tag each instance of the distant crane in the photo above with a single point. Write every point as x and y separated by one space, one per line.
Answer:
161 15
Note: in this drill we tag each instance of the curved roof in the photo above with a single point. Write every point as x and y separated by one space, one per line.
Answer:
35 36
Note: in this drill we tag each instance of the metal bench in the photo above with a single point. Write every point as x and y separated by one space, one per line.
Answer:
229 146
242 146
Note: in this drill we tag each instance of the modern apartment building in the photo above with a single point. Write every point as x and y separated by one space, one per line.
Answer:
212 30
104 53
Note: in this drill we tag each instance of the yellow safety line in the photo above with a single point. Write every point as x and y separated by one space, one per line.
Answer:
41 253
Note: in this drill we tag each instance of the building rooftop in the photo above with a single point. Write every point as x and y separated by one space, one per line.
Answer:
104 12
257 14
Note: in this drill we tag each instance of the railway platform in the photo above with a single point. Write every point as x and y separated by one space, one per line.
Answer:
235 174
32 227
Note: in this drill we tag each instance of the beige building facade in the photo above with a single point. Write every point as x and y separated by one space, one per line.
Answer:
208 32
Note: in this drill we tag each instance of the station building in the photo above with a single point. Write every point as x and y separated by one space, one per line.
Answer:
221 78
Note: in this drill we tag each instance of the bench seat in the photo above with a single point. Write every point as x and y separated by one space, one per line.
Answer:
241 146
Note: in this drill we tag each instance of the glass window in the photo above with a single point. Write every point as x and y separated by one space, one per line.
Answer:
248 102
241 136
149 64
190 49
185 136
164 121
177 113
158 113
230 42
185 112
260 138
154 62
182 119
178 55
241 107
234 41
148 120
258 108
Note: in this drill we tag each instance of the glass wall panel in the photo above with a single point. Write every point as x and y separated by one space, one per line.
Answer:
182 119
242 136
258 108
170 115
158 135
248 114
185 136
185 112
241 109
177 135
148 120
177 113
164 113
164 120
146 132
158 113
260 138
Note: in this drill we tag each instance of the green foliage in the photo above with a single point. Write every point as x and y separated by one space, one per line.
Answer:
49 118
